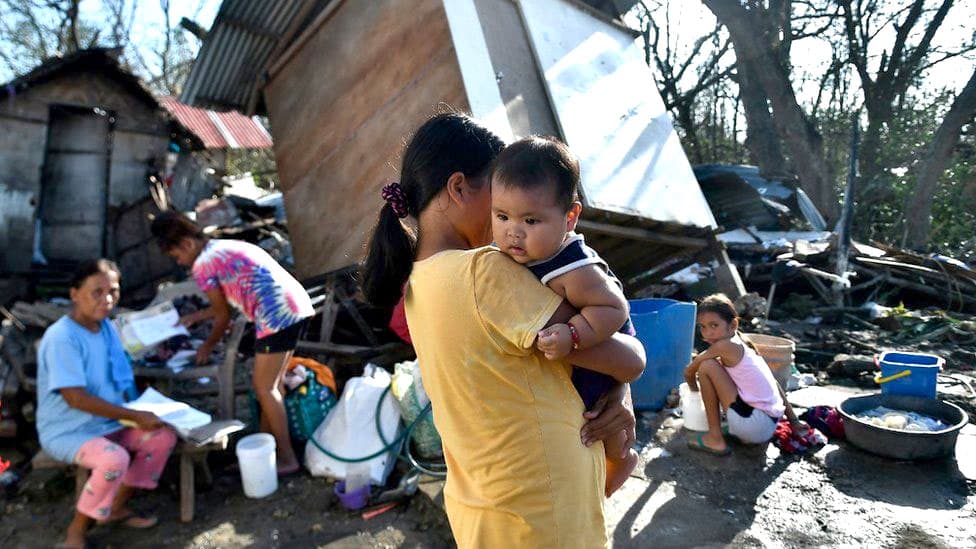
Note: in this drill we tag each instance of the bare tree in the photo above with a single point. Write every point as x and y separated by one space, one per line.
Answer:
172 58
918 207
705 57
762 34
886 83
35 30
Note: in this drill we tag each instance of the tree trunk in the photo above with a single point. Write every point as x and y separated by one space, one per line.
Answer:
874 188
752 40
918 207
762 141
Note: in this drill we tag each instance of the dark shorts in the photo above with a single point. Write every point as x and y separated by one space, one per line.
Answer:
281 341
742 407
591 385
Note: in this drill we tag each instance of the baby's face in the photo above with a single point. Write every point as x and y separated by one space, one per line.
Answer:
527 224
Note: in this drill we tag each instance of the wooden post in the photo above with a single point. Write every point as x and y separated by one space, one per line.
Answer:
187 492
225 372
727 276
846 221
329 311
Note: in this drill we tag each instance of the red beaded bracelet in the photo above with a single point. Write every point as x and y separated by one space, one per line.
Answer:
574 335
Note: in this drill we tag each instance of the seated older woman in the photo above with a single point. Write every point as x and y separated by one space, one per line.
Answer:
82 378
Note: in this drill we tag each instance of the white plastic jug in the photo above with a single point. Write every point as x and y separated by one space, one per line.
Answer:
256 457
693 409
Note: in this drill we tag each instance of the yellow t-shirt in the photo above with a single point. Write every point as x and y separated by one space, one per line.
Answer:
510 420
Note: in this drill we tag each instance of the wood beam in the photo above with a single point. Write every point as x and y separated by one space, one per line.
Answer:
636 233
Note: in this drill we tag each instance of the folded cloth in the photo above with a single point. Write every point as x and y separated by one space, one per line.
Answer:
796 441
826 419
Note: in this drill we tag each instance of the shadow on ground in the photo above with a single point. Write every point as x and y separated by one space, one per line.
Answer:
758 497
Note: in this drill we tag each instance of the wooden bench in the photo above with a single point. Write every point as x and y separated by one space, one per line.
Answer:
191 456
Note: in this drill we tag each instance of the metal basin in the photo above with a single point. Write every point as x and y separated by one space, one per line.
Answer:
910 445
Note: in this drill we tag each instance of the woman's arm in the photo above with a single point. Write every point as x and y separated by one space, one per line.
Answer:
198 316
221 316
80 399
612 413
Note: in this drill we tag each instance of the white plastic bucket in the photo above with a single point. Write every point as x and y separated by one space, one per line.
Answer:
256 457
692 409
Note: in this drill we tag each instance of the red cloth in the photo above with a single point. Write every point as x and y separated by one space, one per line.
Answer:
398 322
792 441
826 419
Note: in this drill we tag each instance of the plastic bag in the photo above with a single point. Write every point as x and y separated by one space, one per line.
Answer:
408 389
307 406
350 430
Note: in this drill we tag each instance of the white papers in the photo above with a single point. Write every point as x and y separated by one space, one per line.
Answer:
179 415
143 329
181 359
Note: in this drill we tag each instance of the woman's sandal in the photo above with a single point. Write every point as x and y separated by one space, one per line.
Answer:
135 520
699 445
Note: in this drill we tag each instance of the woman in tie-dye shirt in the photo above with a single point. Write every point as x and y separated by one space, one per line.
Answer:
242 275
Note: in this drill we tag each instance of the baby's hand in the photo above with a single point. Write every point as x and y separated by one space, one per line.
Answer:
555 341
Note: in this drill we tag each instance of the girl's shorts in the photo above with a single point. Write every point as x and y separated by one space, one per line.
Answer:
281 341
748 424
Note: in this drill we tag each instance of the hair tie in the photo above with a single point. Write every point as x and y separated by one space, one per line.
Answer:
396 198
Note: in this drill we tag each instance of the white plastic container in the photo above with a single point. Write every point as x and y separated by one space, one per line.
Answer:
256 457
693 409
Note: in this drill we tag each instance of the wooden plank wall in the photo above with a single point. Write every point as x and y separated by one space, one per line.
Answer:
340 111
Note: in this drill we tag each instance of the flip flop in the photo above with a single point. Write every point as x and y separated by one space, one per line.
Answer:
134 520
699 445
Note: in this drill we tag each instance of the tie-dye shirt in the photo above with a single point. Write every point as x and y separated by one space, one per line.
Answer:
253 282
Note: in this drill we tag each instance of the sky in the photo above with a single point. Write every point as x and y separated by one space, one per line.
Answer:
147 28
810 56
148 23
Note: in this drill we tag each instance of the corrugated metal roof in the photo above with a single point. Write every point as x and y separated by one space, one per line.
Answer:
219 130
246 33
243 36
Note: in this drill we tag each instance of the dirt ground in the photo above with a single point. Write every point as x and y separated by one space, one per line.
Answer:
304 512
758 497
838 496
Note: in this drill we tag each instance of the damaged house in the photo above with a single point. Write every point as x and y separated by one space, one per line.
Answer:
87 153
344 82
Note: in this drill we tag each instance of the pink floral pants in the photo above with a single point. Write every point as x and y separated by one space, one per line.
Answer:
111 466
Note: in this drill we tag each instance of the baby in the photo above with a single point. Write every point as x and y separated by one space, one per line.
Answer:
534 211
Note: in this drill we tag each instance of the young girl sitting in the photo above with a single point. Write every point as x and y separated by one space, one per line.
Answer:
239 274
534 212
731 374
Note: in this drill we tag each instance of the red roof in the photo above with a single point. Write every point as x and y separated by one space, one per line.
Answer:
219 130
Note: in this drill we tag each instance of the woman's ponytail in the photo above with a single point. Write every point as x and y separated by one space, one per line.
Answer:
389 259
446 144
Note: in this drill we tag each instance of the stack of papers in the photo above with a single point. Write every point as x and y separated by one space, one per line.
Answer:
182 417
144 329
181 359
